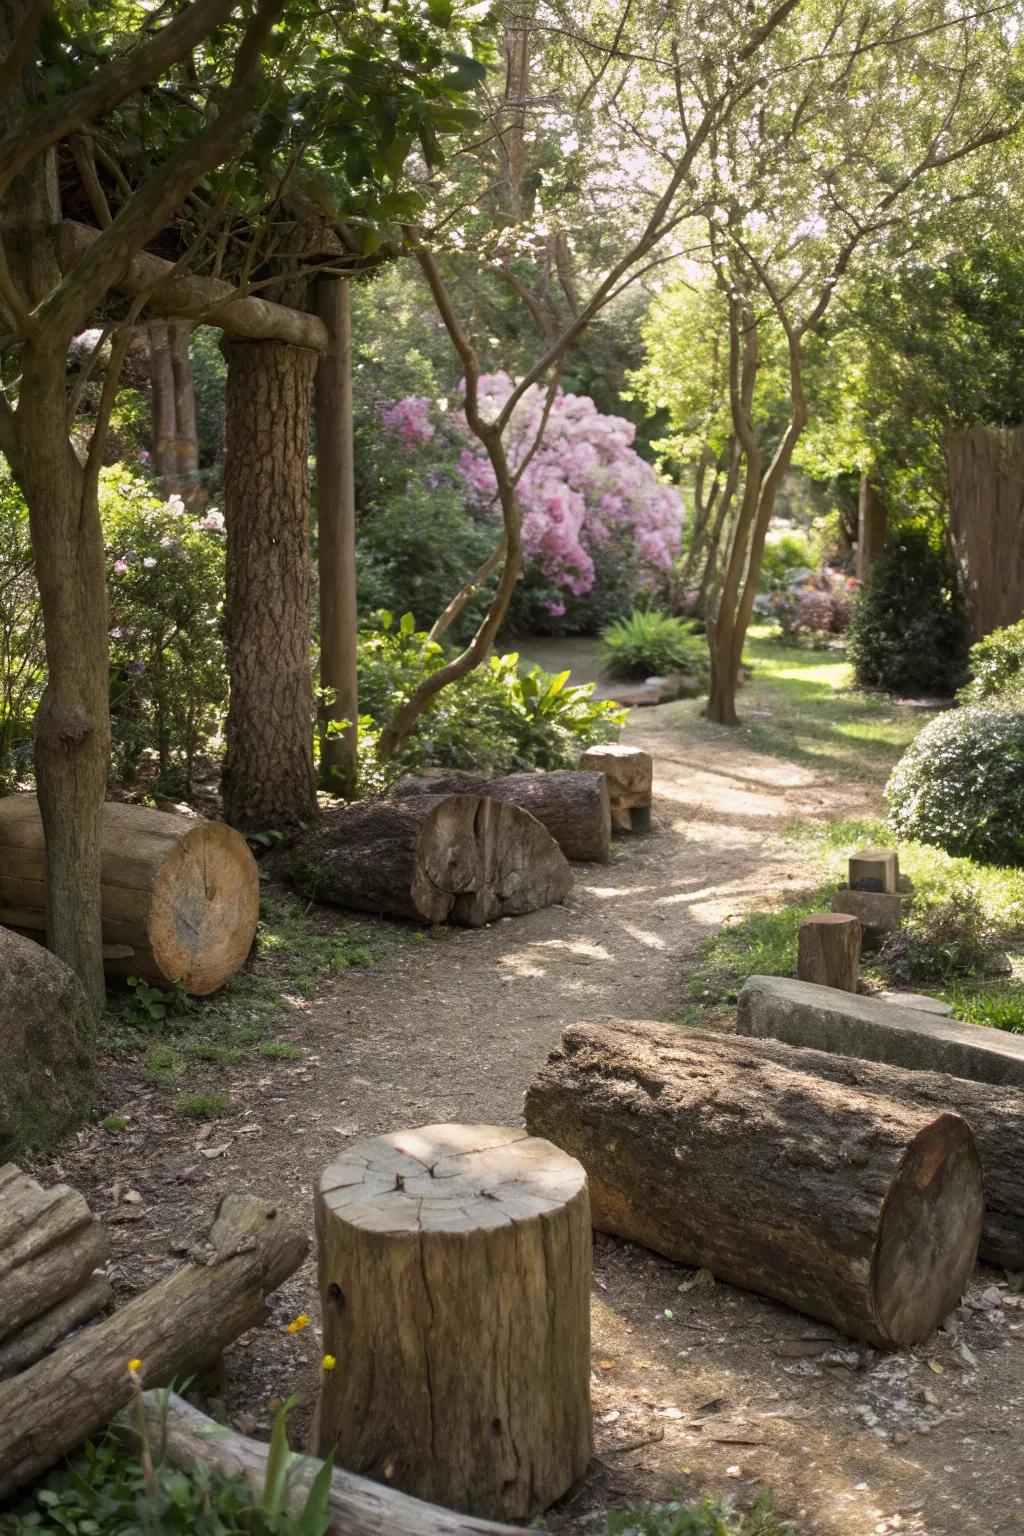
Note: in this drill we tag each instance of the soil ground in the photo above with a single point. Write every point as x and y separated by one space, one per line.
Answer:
697 1387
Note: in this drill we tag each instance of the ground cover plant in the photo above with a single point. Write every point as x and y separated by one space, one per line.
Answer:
650 643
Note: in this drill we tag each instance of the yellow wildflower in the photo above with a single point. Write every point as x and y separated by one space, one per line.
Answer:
298 1323
134 1365
329 1362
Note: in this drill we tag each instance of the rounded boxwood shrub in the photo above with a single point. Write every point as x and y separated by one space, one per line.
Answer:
909 633
961 785
996 666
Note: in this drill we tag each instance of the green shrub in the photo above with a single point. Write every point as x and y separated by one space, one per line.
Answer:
908 633
961 785
494 720
650 643
785 556
941 940
996 665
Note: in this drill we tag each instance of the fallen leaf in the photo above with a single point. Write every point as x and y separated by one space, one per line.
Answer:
606 1365
933 1365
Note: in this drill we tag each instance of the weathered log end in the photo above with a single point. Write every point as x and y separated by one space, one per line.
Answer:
453 858
573 804
828 950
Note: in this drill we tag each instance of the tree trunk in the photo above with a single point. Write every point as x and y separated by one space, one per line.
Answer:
178 1326
165 432
186 431
355 1505
458 858
180 896
828 950
986 507
336 543
872 520
573 806
477 1239
856 1209
268 773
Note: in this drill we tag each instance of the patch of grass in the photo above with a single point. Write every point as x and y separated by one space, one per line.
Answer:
709 1517
163 1064
801 705
760 944
301 953
213 1050
113 1123
203 1106
280 1050
999 1004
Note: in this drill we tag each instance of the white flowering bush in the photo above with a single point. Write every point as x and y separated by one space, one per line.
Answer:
961 785
168 674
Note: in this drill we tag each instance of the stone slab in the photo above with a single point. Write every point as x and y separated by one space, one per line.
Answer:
879 911
846 1024
918 1000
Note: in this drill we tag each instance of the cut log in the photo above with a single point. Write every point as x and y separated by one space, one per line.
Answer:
630 775
37 1338
828 950
355 1506
852 1207
181 894
574 806
476 1239
47 1027
178 1326
50 1243
455 858
875 869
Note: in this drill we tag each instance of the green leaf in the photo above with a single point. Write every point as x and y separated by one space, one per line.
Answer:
407 624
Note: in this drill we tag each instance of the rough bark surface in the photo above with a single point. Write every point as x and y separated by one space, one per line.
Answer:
995 1115
828 950
854 1208
986 508
454 1268
872 526
180 896
630 775
268 775
39 1336
181 1324
453 858
46 1042
356 1506
574 806
50 1243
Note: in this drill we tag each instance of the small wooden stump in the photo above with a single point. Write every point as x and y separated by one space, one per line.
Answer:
630 775
828 950
454 1268
875 869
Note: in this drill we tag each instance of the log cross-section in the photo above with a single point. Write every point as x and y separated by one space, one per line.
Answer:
828 950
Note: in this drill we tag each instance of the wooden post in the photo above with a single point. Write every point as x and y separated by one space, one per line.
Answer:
872 521
828 950
336 540
454 1267
875 869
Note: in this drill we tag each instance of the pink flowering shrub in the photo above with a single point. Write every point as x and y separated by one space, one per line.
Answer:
591 506
816 607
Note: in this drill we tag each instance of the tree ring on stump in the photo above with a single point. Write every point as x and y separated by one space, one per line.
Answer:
922 1258
204 908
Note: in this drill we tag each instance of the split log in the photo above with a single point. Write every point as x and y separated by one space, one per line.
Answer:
179 1325
37 1338
854 1208
457 858
356 1506
477 1240
574 806
180 896
50 1244
828 950
630 775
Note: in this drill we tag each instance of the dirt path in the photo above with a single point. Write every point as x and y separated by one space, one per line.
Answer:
730 1394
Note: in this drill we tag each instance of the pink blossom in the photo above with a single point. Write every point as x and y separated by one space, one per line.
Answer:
409 420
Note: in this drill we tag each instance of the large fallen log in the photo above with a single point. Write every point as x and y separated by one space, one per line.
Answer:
454 858
50 1244
357 1507
855 1208
178 1326
574 806
180 896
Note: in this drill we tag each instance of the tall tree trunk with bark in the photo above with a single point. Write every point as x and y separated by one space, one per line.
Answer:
268 773
336 542
186 431
164 420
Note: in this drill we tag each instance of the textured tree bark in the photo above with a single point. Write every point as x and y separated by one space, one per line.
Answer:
872 524
828 950
180 896
355 1506
268 773
162 404
186 431
986 507
50 1243
336 542
453 858
454 1267
573 806
855 1208
181 1324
